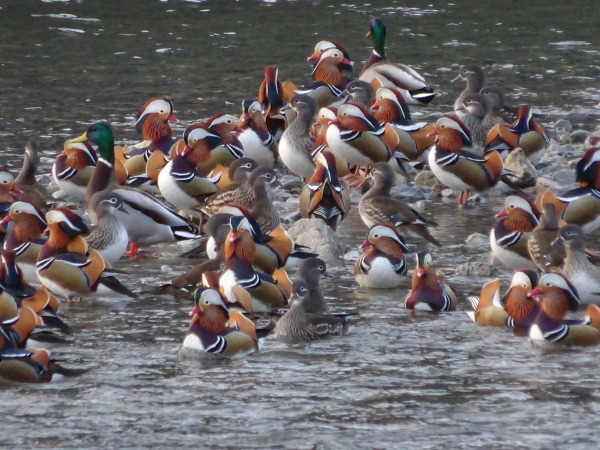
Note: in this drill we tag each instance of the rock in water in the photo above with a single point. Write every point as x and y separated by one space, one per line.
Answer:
525 173
317 237
476 268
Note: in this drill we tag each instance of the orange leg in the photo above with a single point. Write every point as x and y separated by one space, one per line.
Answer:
133 250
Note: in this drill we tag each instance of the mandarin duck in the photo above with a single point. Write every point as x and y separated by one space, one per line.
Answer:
324 196
273 95
542 250
510 235
412 85
299 324
256 140
558 297
381 262
216 331
458 169
360 93
487 309
323 46
474 112
239 191
501 111
378 206
524 132
310 271
240 283
74 168
328 77
26 237
577 268
66 266
428 291
581 206
109 237
390 107
324 117
31 191
8 191
180 182
296 144
475 78
148 220
152 123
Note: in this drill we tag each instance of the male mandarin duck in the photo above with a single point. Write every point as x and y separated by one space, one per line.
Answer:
273 95
381 264
74 168
296 144
390 107
458 169
66 266
310 271
180 182
26 237
323 46
517 309
152 123
524 132
324 196
328 77
475 78
577 268
258 143
239 191
510 235
8 191
148 220
256 292
324 117
546 254
217 331
412 85
428 291
378 206
581 206
109 237
356 137
558 297
301 325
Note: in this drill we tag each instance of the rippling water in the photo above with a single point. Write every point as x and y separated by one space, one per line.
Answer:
398 379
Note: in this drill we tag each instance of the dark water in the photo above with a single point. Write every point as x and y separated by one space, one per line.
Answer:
398 379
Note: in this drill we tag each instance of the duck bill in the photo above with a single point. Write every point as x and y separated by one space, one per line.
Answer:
420 272
233 237
432 133
502 213
535 293
81 138
365 245
6 220
172 118
375 107
195 310
313 58
16 190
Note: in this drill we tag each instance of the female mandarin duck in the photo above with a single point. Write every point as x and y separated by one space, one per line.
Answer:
360 93
329 80
148 220
524 132
577 268
296 144
542 250
475 78
310 271
412 85
378 206
239 191
391 108
256 292
31 191
461 170
558 297
324 196
109 237
356 137
26 237
519 310
74 168
179 182
258 143
301 325
66 266
475 115
381 264
217 331
510 235
428 290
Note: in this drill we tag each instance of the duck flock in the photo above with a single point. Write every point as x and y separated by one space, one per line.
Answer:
215 185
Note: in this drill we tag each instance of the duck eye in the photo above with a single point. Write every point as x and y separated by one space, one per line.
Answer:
376 235
206 302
